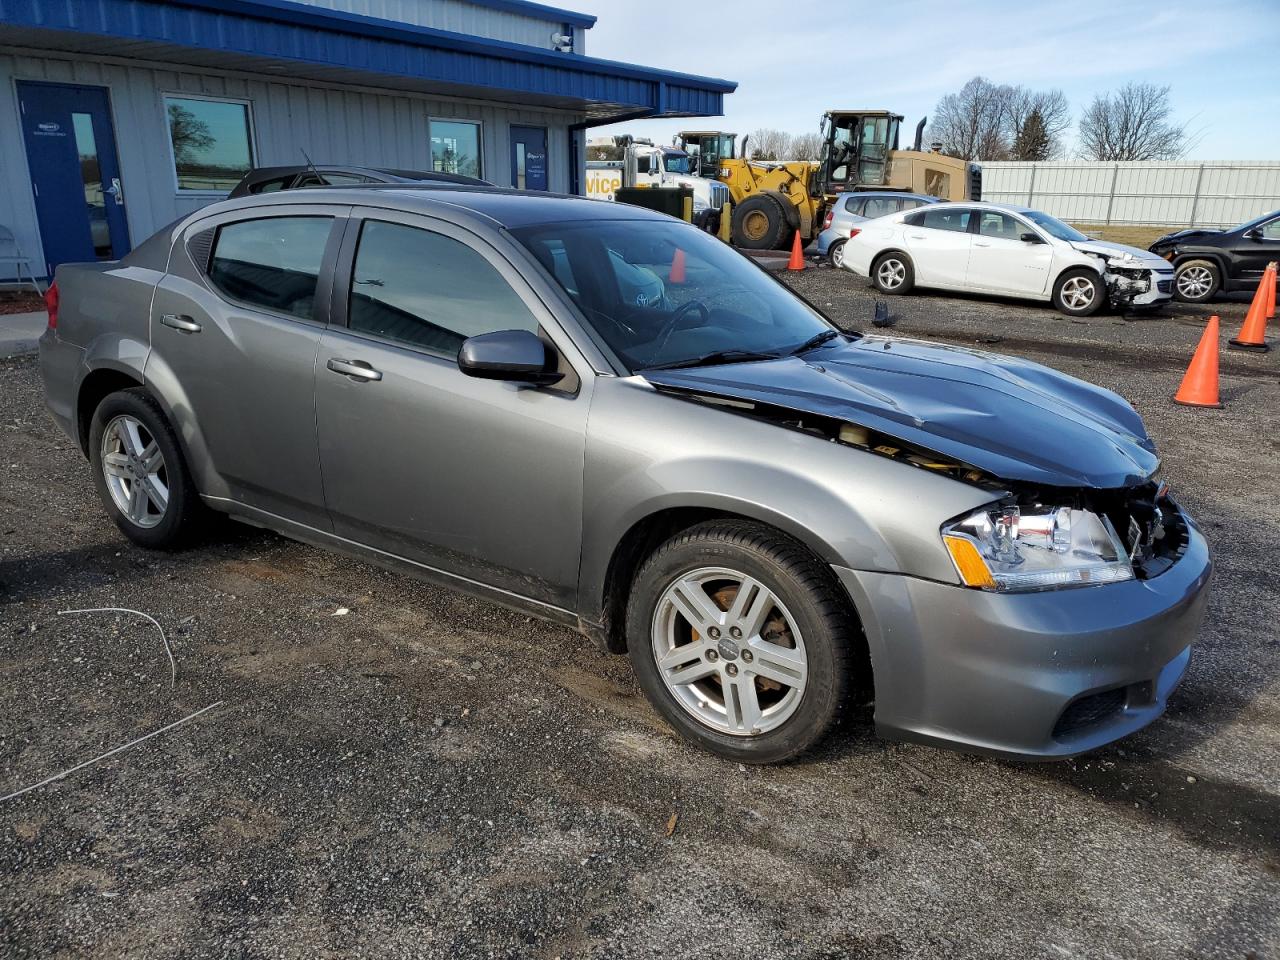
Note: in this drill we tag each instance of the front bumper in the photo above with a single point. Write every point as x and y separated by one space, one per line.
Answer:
1158 289
1033 675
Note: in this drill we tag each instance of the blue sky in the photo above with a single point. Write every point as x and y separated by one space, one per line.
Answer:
795 58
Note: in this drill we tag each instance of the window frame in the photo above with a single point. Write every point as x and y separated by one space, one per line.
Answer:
480 143
542 311
173 156
924 210
323 296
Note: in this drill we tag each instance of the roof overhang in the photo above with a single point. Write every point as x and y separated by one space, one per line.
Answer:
298 41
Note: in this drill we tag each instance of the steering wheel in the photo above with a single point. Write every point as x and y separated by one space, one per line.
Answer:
669 327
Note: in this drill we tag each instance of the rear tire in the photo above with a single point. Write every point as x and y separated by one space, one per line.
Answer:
140 473
893 273
1197 281
756 683
1079 292
759 223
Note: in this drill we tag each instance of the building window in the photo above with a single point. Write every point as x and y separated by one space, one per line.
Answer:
212 142
455 147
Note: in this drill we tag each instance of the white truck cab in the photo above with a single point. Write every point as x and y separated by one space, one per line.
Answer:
644 164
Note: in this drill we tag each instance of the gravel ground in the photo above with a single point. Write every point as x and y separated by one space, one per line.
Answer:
429 775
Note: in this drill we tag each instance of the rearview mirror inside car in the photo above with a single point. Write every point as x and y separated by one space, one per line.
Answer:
1030 237
515 355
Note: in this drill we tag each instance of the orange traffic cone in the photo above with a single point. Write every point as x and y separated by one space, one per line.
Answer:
1271 290
1253 332
676 275
1200 385
797 254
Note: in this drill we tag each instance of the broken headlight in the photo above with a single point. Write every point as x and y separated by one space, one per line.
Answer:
1011 549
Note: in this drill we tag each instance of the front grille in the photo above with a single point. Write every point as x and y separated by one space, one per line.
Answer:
719 195
1164 286
1088 712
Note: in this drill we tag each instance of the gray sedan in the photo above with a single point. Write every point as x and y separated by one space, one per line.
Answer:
604 417
850 209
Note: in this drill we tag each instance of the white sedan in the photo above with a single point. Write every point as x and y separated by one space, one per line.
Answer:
1006 250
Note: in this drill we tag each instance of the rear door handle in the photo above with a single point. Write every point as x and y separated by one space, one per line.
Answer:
979 243
180 321
355 369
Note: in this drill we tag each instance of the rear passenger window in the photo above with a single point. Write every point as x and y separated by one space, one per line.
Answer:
880 207
271 263
428 291
949 219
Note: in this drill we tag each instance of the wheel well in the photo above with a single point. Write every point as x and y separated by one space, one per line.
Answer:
1216 259
1075 268
97 386
902 253
645 537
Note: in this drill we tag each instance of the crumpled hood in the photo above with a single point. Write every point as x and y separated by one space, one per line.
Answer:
1011 418
1195 233
1109 249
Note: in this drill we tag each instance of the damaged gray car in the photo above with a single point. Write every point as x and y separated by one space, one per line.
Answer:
604 417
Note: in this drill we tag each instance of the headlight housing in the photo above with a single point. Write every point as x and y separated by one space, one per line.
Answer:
1007 548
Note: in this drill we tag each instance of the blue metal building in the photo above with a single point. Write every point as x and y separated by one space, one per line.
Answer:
118 116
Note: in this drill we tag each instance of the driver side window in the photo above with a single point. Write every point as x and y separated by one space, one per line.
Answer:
1271 231
428 291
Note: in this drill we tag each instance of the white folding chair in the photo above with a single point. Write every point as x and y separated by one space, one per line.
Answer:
17 258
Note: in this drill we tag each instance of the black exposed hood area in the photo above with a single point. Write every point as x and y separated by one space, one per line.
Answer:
1011 418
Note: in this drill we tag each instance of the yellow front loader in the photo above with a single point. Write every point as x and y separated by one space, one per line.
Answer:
773 200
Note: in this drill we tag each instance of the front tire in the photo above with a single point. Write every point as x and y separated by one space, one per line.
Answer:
742 640
835 253
1197 281
893 273
140 473
759 223
1079 293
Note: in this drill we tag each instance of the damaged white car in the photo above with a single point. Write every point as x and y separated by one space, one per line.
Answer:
1006 250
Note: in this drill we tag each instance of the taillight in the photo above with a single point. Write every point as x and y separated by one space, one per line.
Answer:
826 221
854 232
51 304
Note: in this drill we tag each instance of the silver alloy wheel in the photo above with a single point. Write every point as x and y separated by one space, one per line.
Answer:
134 469
1195 282
1078 293
729 651
837 255
891 273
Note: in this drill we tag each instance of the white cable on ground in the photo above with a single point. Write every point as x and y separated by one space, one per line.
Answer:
173 664
109 753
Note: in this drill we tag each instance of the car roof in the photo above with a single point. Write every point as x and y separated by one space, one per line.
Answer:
499 206
986 205
891 194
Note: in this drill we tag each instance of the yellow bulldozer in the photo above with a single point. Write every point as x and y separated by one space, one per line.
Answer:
773 200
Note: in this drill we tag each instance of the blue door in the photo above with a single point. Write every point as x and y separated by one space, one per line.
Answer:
529 158
75 176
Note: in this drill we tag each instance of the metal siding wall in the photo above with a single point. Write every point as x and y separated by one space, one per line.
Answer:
455 15
333 124
1211 194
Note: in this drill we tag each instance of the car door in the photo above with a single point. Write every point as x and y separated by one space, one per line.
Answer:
1253 250
480 479
1002 262
939 242
235 327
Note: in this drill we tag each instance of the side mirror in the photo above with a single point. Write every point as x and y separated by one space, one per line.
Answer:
1030 237
518 356
1254 234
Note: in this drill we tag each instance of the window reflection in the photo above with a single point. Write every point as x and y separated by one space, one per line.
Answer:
455 147
211 145
91 175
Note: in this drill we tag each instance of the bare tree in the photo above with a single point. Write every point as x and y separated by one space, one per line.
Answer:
1132 124
1053 113
601 151
770 144
973 123
806 146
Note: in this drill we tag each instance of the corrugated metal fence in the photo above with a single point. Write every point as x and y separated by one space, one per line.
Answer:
1209 194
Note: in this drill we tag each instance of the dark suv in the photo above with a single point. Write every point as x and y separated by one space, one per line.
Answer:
271 179
1209 261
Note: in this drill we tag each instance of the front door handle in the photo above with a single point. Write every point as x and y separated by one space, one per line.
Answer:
355 369
981 243
180 321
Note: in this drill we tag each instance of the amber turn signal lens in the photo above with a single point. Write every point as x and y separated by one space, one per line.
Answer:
969 563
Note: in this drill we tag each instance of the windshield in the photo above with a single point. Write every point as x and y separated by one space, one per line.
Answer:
677 162
1258 221
1054 227
663 293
